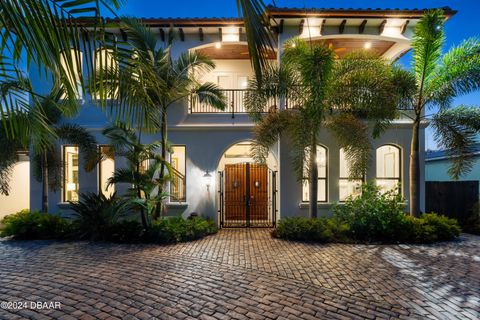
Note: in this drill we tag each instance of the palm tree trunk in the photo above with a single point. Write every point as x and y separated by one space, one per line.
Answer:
44 182
139 195
159 209
313 180
415 170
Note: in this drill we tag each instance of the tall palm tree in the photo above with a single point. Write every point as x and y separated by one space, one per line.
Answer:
436 80
349 97
142 171
150 81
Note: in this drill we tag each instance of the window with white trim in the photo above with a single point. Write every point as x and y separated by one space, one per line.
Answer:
388 168
70 185
322 167
178 161
347 186
106 169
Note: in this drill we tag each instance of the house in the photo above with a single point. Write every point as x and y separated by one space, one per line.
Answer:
438 162
216 176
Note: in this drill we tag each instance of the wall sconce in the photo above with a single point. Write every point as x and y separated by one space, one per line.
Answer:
208 179
257 184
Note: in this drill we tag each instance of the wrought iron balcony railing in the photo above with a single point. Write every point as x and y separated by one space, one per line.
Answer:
235 104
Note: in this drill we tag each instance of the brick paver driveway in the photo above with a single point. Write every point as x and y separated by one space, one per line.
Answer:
242 274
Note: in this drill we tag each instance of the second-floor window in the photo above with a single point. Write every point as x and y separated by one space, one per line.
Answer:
72 64
105 61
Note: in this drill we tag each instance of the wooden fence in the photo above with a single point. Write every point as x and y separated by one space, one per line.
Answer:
455 199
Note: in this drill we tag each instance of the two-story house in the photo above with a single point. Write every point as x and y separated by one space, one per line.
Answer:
216 176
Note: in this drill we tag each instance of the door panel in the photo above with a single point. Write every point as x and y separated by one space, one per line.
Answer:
235 193
258 193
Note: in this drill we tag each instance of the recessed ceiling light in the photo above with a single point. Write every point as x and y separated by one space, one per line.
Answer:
367 45
218 45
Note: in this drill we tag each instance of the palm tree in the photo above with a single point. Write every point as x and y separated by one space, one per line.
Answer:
344 96
142 171
150 81
42 139
435 80
50 34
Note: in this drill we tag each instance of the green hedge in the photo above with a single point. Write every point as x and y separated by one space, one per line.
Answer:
28 225
371 217
429 228
177 229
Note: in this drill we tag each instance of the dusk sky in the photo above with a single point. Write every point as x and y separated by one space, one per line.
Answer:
463 25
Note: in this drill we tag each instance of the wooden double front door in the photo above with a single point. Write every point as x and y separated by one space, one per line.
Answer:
246 195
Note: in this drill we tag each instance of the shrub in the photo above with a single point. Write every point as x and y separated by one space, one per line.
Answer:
177 229
372 216
28 225
430 227
306 229
125 231
95 215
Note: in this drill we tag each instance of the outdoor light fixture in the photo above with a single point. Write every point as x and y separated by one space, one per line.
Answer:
208 177
367 45
218 45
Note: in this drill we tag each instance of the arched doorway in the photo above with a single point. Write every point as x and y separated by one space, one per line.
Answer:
247 190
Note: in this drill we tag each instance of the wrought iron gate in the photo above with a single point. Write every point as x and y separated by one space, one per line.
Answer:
247 196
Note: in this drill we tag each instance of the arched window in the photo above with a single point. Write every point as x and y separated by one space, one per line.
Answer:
322 166
72 65
105 61
348 186
388 167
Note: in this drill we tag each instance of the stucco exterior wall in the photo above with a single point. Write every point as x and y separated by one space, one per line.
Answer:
19 196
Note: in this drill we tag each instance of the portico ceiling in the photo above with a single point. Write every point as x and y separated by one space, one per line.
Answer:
230 51
343 46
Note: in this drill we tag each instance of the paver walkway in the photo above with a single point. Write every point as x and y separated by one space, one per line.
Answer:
241 274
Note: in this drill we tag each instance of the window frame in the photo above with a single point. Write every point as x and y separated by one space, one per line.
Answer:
400 164
170 200
306 182
341 178
64 166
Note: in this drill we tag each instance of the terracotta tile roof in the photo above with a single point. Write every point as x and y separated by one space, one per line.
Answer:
283 12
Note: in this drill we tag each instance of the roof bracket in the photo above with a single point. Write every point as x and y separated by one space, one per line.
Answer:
341 28
361 28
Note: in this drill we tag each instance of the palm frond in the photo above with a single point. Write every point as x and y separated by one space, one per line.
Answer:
259 37
457 74
427 43
456 131
48 34
210 94
87 144
352 135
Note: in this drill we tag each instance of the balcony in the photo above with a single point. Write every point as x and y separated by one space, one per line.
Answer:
236 104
